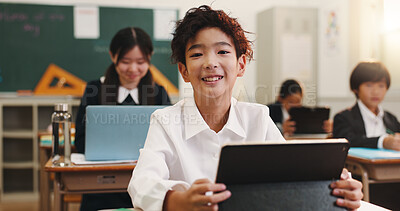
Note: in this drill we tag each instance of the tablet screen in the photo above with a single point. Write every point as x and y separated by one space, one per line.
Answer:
309 120
296 160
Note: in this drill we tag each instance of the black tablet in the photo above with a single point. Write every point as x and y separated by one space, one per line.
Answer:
296 160
309 120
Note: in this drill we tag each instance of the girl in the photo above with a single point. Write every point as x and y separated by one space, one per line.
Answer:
127 81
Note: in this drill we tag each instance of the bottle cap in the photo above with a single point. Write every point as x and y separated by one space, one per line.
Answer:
61 107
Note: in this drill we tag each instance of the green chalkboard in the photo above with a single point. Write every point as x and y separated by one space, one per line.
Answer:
33 36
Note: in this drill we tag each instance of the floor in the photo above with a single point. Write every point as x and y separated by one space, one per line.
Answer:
29 205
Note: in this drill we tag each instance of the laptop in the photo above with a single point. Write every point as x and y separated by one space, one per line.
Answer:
294 175
309 120
116 132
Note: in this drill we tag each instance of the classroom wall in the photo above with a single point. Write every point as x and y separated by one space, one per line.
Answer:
354 43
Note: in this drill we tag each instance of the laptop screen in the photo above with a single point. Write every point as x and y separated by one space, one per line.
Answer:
116 132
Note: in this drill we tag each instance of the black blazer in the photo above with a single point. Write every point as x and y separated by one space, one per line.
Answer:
275 112
350 125
91 97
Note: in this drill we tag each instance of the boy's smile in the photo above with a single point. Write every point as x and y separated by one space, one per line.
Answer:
211 64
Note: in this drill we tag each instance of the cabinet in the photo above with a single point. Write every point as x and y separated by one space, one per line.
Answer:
21 118
286 48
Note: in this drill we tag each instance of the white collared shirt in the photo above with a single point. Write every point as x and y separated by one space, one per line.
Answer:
124 92
374 126
181 148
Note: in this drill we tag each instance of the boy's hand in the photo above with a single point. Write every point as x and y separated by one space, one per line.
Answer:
195 198
392 142
288 127
350 191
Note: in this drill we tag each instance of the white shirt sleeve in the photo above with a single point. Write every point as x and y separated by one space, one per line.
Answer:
380 141
150 178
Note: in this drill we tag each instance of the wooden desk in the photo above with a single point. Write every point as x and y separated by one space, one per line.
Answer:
109 178
374 171
308 136
44 155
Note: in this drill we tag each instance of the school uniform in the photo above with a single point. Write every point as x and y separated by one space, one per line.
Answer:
181 148
278 114
350 124
92 96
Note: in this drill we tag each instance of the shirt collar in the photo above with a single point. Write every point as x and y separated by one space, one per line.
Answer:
194 122
124 92
234 120
368 113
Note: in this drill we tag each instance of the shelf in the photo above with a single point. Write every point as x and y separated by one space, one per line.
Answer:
18 134
17 118
18 165
17 150
21 121
18 180
18 196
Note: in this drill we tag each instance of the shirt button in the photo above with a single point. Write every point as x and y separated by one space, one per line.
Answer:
216 155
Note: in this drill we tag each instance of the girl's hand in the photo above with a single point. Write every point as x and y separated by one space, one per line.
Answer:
328 126
349 189
288 127
196 198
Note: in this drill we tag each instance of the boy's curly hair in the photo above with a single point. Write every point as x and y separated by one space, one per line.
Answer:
202 17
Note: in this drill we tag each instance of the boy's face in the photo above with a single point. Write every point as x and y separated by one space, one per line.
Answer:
372 93
211 64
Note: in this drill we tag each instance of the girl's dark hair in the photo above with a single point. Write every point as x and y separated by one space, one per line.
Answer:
122 42
368 72
202 17
290 87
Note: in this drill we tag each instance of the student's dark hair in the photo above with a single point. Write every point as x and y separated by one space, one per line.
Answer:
368 72
290 87
203 17
122 42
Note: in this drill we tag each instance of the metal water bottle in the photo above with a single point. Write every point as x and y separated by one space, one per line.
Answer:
61 138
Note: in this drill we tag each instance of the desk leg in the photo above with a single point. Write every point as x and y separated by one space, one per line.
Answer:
365 181
44 182
58 196
360 170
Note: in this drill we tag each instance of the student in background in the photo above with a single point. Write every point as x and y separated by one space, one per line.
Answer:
127 81
290 95
366 124
178 163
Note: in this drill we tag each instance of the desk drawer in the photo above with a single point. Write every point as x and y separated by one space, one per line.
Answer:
96 180
383 171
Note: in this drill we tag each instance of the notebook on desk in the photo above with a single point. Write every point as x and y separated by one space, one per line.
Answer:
370 153
292 175
309 120
116 132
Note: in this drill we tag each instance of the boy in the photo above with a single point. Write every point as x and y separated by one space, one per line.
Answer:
290 95
178 163
366 124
